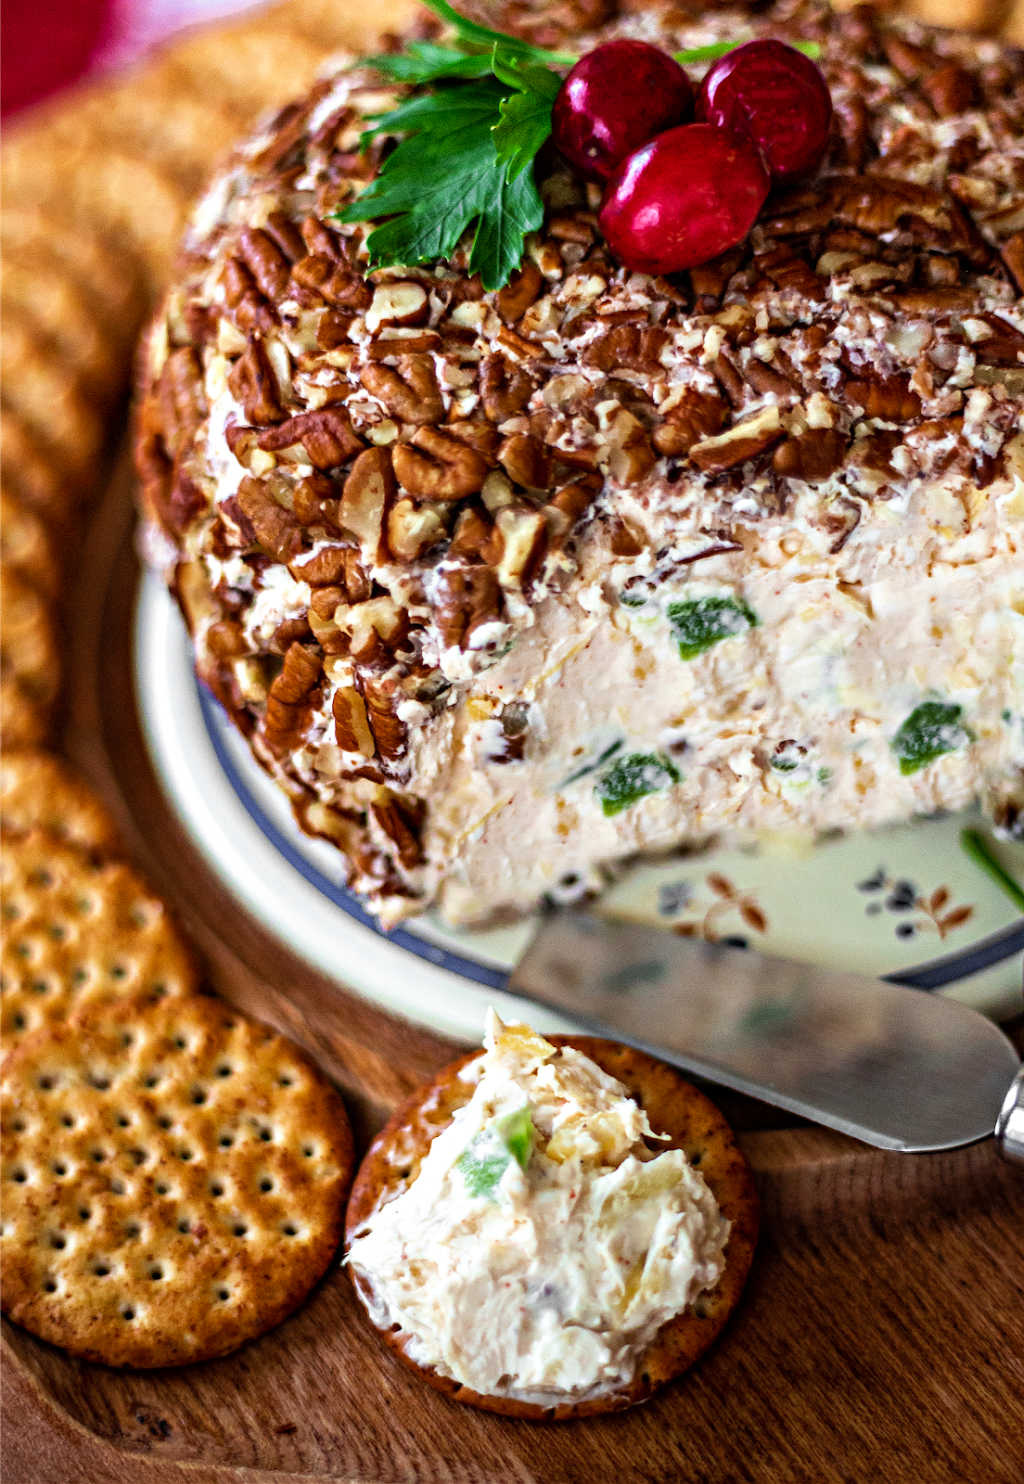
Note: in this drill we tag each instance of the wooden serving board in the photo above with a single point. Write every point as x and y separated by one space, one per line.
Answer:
882 1336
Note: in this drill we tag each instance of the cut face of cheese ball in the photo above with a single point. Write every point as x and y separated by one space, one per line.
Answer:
768 690
507 587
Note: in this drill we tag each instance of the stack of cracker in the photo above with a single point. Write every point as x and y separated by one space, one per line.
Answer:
174 1174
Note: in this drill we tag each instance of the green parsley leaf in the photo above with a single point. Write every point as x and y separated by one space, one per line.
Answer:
465 161
427 61
525 123
698 623
470 32
931 730
444 177
633 778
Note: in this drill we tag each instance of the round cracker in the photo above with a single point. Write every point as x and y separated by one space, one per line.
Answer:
101 268
674 1107
77 932
110 191
29 646
32 471
40 791
26 545
63 321
51 397
174 1181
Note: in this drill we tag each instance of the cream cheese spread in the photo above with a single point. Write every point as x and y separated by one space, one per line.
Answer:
544 1240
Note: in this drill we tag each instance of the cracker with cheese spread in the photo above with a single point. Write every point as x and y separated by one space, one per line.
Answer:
554 1228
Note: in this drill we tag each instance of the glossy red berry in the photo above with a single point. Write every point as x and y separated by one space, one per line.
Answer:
773 95
615 99
682 199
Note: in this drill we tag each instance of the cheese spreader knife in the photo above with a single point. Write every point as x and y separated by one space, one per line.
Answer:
897 1067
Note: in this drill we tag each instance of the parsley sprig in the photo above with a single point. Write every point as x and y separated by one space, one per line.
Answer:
469 140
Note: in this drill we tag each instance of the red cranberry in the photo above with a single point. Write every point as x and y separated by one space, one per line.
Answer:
685 197
616 98
774 96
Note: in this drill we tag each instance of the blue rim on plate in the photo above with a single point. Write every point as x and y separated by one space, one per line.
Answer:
934 974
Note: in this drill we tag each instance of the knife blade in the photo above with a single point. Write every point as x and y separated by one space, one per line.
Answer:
896 1067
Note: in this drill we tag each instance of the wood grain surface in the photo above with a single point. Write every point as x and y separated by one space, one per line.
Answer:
882 1336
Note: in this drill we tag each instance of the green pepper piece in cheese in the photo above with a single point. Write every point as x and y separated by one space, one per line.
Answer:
516 1131
699 623
633 778
931 730
487 1156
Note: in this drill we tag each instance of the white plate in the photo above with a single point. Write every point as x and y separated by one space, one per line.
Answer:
905 902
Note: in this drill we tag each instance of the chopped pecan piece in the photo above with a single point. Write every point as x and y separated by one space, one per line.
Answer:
413 529
637 347
276 529
467 597
250 309
525 460
397 302
375 627
949 89
889 398
625 539
400 826
768 380
1013 256
411 393
368 490
382 695
253 383
289 699
626 451
524 540
811 456
744 440
358 585
693 416
479 435
563 512
265 261
505 389
331 281
325 568
473 538
436 466
315 502
351 726
179 394
520 292
326 435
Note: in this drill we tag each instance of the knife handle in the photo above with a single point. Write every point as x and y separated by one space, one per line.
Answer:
1010 1123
